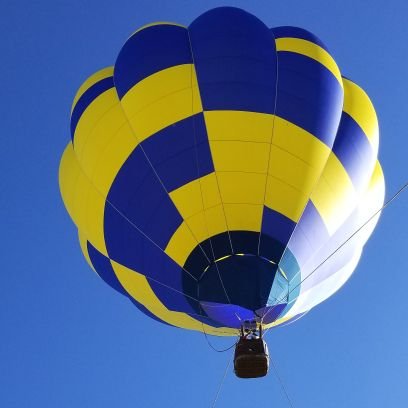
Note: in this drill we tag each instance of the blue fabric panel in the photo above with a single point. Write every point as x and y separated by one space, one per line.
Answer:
220 245
272 313
277 225
147 312
297 32
309 235
138 194
158 265
163 274
130 248
139 203
354 151
148 51
247 281
182 168
270 248
245 242
173 300
235 59
164 222
313 226
86 99
291 268
132 173
104 268
124 242
196 263
309 96
226 315
300 246
180 153
279 290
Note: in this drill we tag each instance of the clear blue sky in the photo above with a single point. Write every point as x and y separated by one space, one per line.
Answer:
68 340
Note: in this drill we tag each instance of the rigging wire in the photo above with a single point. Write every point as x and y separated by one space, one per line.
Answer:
215 349
385 205
207 338
221 382
282 385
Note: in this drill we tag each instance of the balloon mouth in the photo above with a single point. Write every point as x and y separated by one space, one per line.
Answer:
239 279
231 278
221 276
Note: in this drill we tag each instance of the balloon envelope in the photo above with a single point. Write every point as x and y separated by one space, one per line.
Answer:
215 166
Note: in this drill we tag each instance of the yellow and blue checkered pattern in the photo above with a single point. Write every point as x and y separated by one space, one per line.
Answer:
211 162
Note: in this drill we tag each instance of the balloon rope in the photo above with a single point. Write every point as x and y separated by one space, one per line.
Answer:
221 382
386 204
285 392
208 340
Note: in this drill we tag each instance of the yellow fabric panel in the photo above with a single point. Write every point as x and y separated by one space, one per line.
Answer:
208 223
239 125
162 99
300 143
237 187
311 50
215 220
189 198
198 226
78 199
292 170
277 322
112 158
69 172
334 195
181 244
377 176
101 136
285 198
246 217
373 198
94 216
240 156
358 105
83 201
97 109
84 248
138 287
92 80
210 190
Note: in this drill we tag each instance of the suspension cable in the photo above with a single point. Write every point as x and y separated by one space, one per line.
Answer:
207 338
282 385
221 382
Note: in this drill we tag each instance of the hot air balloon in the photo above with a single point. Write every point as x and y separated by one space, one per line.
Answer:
214 167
